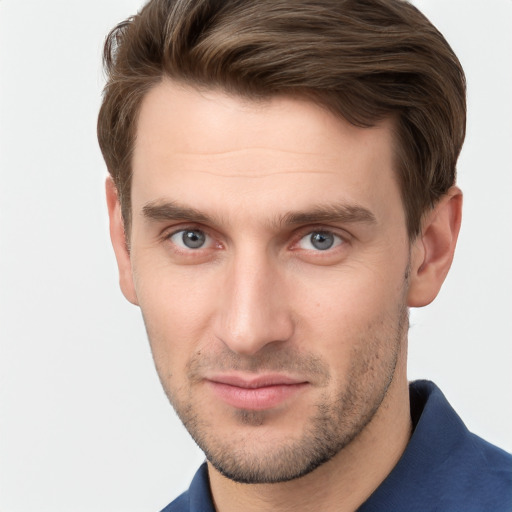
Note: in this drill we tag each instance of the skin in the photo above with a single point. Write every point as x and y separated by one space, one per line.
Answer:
259 298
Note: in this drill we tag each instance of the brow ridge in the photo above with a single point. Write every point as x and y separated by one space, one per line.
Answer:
171 210
346 213
342 213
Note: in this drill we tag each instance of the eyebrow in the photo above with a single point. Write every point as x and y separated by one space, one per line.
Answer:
345 213
162 211
341 213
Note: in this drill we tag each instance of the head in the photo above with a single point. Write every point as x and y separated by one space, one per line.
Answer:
282 191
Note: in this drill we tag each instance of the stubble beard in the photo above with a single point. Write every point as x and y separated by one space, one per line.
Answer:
337 421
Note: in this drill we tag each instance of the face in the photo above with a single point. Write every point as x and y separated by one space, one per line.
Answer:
269 256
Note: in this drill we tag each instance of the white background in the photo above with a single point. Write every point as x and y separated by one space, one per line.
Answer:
84 425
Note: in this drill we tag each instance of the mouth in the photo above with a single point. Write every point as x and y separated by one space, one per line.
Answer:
255 393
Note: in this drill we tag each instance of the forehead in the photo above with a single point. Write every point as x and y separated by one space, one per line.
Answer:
209 149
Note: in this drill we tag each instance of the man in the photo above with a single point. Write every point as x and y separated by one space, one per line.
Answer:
282 190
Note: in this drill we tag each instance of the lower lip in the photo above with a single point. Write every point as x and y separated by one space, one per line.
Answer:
256 399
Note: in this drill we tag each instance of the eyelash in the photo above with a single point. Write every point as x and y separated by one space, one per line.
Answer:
169 236
340 240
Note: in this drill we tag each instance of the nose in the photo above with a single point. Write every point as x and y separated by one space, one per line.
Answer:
252 307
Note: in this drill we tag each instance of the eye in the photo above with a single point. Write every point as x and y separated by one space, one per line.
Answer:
319 241
190 239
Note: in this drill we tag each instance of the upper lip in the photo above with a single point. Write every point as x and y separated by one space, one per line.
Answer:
248 381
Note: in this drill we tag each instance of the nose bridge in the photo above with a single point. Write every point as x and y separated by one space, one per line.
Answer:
253 310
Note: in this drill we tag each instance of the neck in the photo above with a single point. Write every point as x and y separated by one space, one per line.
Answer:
341 484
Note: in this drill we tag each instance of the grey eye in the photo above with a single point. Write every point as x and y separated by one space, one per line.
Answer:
189 238
320 241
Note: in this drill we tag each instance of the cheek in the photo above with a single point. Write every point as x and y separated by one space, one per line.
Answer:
348 310
177 307
348 297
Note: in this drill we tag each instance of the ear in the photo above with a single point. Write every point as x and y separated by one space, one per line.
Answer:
432 251
117 235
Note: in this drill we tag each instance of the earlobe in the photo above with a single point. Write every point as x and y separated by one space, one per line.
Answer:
432 251
118 238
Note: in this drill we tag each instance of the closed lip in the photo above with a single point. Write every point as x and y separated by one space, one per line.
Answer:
248 381
255 392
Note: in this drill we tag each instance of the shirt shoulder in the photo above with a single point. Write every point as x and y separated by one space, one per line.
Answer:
489 474
444 467
198 496
180 504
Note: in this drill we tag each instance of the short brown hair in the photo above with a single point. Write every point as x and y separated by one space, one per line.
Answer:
362 59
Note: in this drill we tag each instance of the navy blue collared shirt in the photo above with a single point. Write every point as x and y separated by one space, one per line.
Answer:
445 468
